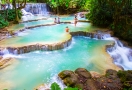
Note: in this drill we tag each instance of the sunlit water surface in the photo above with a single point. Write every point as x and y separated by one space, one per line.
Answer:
35 68
39 67
44 34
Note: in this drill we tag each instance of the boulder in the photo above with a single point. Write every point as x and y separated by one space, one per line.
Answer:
1 57
111 73
83 72
90 85
69 77
65 73
82 79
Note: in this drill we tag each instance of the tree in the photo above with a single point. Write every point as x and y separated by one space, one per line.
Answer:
64 5
116 14
17 4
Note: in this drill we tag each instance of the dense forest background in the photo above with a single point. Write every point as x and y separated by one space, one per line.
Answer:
113 14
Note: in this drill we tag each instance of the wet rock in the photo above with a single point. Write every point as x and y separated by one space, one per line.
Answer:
69 78
25 49
70 81
83 73
84 80
1 57
111 72
43 47
50 47
81 78
4 61
95 74
64 74
90 85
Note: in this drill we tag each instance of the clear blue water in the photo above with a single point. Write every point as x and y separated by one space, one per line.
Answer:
45 34
35 68
39 67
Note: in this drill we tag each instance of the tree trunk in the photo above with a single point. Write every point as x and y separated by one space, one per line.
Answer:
20 6
16 12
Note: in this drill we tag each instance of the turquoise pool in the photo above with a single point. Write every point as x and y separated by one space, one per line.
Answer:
32 69
35 68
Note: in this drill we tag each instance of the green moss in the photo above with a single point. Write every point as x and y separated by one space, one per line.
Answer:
126 79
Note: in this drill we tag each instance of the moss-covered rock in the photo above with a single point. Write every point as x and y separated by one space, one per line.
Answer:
83 72
112 80
69 77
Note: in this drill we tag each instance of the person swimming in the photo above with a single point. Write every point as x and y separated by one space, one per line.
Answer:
67 29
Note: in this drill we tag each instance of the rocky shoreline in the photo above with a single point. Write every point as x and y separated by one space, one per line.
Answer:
83 79
4 33
4 62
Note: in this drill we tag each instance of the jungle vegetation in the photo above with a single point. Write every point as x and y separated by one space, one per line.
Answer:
114 14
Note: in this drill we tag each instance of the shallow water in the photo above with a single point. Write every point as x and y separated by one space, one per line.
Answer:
39 67
49 20
35 68
44 34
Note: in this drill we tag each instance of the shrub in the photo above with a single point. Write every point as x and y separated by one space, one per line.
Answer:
55 86
3 23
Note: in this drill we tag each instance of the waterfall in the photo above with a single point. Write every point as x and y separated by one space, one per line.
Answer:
122 55
24 13
36 8
3 51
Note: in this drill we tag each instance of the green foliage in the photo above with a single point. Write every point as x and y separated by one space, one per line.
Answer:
8 15
67 5
12 15
127 89
122 75
126 79
55 86
115 14
100 14
84 5
32 1
3 23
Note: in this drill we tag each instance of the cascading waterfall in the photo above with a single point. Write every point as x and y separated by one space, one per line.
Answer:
122 55
24 13
4 51
36 8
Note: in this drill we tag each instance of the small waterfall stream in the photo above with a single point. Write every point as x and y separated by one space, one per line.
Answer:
122 55
36 8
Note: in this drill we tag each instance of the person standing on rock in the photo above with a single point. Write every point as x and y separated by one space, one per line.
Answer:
55 20
75 15
58 20
75 21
